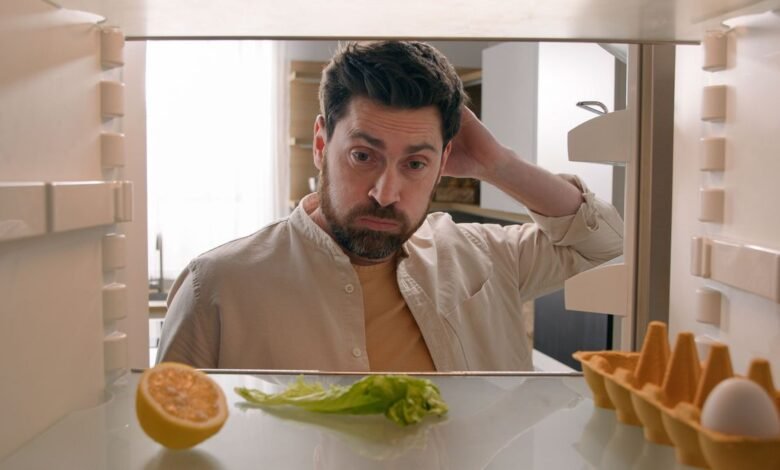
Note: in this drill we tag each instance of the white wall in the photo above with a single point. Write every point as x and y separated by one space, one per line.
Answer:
750 324
568 73
529 96
509 99
51 328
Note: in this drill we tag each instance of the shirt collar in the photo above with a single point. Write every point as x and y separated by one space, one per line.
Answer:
302 221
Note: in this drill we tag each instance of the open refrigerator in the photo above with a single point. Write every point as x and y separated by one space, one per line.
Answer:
699 146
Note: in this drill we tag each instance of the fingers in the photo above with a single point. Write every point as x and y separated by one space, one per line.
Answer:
467 115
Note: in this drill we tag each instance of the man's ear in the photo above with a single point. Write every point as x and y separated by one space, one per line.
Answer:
320 141
445 155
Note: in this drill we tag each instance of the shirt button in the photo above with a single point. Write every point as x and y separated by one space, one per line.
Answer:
357 352
349 288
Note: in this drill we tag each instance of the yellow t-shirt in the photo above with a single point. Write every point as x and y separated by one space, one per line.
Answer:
393 340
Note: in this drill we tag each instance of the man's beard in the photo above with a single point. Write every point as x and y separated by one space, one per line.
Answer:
365 243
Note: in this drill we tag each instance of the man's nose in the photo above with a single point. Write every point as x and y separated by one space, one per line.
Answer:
386 190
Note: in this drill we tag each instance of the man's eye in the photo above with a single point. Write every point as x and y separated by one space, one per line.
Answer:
360 156
416 165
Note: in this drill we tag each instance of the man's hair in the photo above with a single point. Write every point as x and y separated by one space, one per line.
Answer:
399 74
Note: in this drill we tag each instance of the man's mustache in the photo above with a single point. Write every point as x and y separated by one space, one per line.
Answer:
375 210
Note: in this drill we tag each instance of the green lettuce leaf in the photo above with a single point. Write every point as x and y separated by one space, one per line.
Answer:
402 399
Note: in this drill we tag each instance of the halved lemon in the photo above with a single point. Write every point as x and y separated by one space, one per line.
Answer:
179 406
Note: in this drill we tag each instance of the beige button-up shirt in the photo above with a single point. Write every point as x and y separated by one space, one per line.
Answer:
287 297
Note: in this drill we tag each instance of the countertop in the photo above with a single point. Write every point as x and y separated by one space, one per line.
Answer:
544 421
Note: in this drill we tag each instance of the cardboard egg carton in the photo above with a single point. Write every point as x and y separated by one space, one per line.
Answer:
664 390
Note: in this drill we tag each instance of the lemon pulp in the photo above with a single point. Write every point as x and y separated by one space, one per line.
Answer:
179 406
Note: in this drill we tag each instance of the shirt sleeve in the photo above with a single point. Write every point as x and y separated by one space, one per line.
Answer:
191 330
595 230
552 249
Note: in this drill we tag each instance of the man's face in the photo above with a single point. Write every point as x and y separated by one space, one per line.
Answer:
378 173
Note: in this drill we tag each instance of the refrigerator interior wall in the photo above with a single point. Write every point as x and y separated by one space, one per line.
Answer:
51 326
748 323
136 274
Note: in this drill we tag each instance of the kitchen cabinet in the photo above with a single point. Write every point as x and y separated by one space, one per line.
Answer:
464 190
304 81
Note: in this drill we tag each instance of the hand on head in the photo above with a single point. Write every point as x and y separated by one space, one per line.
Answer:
475 151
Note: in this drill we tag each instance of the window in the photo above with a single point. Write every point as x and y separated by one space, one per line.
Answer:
212 139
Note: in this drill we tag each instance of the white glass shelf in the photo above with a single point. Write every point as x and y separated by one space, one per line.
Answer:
494 422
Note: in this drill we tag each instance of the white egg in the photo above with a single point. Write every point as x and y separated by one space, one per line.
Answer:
741 407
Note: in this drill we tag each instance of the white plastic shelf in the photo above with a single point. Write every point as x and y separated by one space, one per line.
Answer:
748 267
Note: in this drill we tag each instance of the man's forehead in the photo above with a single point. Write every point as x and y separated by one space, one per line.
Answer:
374 123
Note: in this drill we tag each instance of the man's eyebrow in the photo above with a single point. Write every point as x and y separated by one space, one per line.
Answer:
423 146
357 133
379 143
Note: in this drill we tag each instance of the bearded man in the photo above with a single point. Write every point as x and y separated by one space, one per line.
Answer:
360 277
